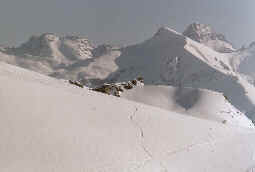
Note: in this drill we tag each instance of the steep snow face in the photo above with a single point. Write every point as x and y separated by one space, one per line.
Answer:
189 101
169 57
204 34
49 125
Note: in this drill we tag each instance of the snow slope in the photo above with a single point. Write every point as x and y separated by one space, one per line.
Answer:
200 103
49 125
188 101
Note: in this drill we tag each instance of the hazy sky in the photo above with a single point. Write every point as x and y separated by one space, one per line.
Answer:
123 21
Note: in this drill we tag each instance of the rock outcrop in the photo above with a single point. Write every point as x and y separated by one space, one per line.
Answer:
116 89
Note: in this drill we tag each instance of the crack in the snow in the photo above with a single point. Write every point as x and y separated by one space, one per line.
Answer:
148 153
136 125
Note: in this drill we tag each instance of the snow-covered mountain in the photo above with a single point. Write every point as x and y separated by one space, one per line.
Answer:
49 125
168 58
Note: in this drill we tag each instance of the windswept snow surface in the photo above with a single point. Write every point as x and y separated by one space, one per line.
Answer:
189 101
49 125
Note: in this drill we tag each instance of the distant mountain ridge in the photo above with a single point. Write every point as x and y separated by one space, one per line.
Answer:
51 45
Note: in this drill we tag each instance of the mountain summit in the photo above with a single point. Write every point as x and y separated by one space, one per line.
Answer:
204 34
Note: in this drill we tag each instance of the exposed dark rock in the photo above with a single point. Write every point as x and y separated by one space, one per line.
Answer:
77 83
116 89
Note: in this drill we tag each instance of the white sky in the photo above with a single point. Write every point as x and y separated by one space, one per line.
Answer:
123 21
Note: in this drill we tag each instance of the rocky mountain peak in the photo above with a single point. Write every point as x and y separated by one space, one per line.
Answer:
164 32
204 34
